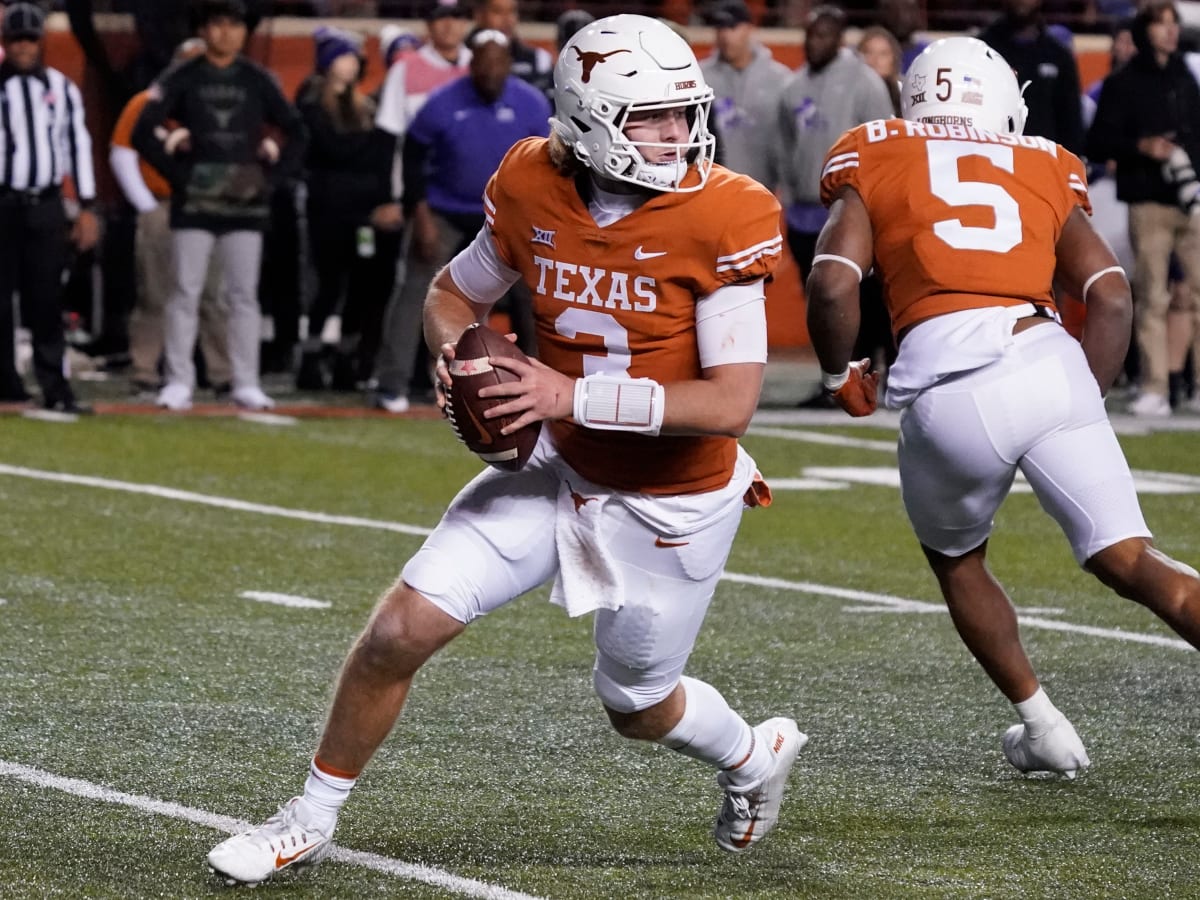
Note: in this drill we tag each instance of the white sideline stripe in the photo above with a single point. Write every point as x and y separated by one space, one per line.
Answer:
285 600
410 871
166 493
805 587
902 604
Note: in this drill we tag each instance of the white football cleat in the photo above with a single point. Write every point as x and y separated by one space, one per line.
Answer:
279 843
1057 749
747 814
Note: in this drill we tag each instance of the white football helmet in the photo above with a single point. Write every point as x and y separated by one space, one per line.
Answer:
963 81
622 64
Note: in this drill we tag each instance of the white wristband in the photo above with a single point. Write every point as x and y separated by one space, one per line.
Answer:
833 382
615 403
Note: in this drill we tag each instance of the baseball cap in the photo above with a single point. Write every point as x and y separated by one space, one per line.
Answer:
23 20
446 9
728 14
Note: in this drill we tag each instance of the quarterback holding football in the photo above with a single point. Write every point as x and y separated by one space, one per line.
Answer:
646 263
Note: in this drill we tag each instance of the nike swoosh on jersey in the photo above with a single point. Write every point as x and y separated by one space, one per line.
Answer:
639 253
659 542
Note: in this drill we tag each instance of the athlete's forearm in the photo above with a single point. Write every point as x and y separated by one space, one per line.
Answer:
448 312
833 318
1106 333
723 402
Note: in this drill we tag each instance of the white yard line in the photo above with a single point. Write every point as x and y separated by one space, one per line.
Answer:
899 604
800 435
166 493
427 874
1183 480
292 600
820 437
902 604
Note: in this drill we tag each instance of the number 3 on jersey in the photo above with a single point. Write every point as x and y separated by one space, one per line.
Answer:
944 182
574 322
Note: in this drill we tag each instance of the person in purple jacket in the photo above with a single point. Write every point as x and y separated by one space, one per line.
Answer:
451 149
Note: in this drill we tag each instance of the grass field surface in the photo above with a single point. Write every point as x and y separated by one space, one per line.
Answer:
178 592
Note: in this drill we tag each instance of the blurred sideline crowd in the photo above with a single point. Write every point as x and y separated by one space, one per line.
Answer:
259 233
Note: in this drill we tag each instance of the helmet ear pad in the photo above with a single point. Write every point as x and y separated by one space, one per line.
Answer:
961 80
619 65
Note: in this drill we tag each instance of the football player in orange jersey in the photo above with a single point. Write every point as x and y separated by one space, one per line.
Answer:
646 263
968 221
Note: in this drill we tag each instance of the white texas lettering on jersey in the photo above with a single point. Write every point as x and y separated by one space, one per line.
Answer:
593 286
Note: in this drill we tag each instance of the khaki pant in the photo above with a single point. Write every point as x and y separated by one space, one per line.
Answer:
146 322
1155 230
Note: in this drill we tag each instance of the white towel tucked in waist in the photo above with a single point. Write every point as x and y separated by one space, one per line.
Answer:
588 575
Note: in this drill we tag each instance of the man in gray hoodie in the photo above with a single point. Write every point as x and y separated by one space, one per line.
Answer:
832 92
746 81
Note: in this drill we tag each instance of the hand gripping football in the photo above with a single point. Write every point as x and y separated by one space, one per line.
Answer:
470 371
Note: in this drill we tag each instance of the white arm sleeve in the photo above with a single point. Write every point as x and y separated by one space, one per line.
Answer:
479 271
731 325
124 164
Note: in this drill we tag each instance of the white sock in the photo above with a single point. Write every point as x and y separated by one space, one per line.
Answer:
710 731
324 794
1037 713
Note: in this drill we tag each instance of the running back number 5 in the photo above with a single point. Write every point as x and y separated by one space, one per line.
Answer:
947 186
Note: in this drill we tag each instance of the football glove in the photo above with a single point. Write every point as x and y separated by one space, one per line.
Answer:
856 394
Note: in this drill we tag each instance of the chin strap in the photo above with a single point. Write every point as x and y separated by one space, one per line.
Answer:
665 174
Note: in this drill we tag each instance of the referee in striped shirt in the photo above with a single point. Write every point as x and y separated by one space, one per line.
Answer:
42 138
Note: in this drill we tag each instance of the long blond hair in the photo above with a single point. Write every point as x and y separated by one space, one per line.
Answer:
562 155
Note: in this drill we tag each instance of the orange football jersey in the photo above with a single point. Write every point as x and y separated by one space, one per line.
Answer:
622 299
961 218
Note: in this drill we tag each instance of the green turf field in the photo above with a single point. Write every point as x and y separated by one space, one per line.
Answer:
147 705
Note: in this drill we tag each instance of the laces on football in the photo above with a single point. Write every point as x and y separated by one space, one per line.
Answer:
448 412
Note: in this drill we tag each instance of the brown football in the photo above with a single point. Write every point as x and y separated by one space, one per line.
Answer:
469 372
